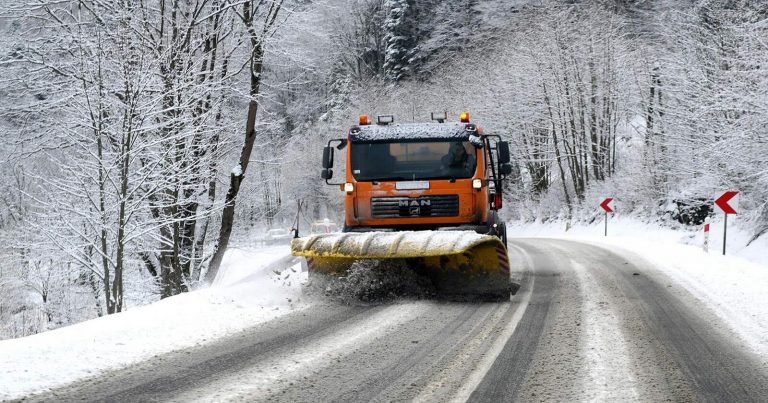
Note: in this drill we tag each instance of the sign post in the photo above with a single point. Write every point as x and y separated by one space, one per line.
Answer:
727 203
607 206
706 234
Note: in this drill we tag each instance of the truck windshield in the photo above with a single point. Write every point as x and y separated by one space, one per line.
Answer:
405 161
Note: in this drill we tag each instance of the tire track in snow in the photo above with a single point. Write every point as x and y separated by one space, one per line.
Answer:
521 298
283 368
716 367
393 363
608 376
509 372
678 349
161 377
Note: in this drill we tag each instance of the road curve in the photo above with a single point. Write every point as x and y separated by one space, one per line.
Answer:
586 324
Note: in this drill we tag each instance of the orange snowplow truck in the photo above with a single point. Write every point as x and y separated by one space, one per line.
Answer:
423 194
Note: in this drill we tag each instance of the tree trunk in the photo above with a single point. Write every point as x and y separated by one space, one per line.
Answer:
235 179
557 154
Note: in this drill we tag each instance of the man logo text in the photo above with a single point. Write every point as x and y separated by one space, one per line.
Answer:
415 203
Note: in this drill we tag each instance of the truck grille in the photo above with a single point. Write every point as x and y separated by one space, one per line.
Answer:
425 206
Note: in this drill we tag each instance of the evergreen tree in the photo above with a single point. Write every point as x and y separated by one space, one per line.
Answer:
401 40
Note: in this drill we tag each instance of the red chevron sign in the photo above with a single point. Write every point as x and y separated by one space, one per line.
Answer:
728 202
607 205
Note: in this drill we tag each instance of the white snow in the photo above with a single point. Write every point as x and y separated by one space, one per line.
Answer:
733 286
411 131
251 288
610 376
237 170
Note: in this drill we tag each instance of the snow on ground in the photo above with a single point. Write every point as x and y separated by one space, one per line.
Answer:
251 288
733 286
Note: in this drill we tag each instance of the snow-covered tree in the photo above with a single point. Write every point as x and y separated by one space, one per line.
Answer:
401 50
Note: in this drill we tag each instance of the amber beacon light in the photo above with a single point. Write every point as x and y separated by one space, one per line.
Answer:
364 120
464 117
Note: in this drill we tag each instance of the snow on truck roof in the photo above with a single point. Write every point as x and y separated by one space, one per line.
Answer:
409 131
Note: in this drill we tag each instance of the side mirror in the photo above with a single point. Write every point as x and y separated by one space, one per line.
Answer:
326 173
327 157
503 147
505 169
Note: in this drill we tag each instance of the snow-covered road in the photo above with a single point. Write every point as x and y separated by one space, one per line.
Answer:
588 323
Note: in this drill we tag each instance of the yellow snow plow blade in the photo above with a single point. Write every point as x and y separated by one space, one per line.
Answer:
457 262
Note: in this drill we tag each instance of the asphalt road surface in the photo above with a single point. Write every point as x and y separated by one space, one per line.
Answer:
586 324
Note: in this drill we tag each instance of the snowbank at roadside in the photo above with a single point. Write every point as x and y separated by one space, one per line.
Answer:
629 229
253 286
734 286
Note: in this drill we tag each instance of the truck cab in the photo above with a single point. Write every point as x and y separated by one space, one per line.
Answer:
421 176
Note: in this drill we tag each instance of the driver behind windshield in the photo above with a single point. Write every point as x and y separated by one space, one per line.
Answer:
458 162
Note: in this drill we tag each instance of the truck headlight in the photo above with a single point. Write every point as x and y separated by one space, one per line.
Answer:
477 183
349 187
